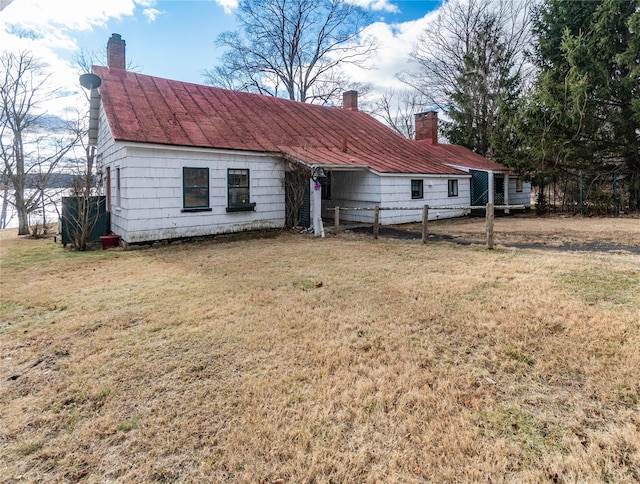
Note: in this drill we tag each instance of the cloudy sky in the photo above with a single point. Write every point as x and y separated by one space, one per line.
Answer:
175 38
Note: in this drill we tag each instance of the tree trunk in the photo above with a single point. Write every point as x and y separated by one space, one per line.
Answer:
5 202
23 215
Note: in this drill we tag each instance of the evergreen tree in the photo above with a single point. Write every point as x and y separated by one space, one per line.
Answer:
472 64
583 112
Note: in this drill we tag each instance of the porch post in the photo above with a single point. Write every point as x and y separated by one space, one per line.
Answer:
506 192
316 207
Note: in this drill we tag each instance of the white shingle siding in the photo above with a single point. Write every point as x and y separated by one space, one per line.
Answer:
152 192
396 192
519 198
354 189
364 189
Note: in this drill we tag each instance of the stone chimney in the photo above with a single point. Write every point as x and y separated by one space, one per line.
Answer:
115 52
350 100
427 127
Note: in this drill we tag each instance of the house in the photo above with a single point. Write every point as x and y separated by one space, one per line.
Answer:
181 159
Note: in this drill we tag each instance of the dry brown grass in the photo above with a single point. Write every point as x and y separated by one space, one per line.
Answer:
551 230
307 360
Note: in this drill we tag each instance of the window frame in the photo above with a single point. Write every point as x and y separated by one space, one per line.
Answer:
185 189
245 206
417 189
118 188
518 185
452 187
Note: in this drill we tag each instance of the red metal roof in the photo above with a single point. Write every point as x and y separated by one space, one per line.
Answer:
146 109
457 155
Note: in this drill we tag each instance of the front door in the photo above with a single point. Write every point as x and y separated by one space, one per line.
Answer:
479 190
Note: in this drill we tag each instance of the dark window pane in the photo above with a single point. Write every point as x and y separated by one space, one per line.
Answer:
416 189
196 197
453 188
238 187
195 187
195 177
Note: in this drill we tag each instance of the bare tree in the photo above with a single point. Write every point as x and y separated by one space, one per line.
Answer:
84 59
30 141
398 109
297 177
472 63
84 207
4 187
292 47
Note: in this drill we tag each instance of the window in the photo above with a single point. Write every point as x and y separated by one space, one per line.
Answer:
518 185
109 189
195 189
453 188
238 191
417 189
326 187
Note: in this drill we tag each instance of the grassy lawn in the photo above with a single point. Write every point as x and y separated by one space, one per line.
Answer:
297 359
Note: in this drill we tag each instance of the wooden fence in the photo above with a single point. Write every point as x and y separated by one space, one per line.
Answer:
489 208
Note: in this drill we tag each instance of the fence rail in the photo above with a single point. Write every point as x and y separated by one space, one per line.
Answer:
448 207
489 207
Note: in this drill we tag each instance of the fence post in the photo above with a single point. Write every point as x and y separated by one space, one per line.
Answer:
425 219
376 222
616 210
489 225
336 221
581 193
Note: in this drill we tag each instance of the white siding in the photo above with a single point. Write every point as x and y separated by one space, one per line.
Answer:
111 154
396 192
519 198
364 189
354 189
151 205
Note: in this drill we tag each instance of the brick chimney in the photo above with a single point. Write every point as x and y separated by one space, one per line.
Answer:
115 52
427 127
350 100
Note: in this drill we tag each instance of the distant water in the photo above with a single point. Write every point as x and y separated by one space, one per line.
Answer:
53 204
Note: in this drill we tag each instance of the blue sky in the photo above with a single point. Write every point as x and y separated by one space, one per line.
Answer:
176 38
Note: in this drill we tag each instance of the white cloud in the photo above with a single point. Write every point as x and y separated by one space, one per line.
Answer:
228 5
377 5
151 13
46 27
4 3
67 14
395 42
